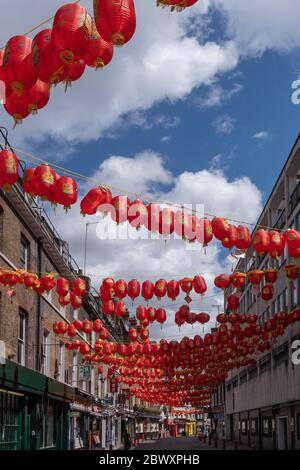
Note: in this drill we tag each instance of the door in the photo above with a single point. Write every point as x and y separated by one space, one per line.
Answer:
11 421
282 423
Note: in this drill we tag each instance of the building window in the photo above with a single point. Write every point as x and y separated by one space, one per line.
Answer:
46 352
61 362
24 253
279 303
298 425
254 426
244 426
267 427
22 338
74 369
47 426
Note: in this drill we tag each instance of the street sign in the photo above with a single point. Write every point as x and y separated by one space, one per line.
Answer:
85 372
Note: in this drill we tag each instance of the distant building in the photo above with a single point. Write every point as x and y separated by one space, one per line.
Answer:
263 400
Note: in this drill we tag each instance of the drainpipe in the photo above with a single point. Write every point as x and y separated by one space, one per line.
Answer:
38 311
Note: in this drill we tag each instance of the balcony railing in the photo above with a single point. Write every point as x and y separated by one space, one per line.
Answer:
295 198
281 220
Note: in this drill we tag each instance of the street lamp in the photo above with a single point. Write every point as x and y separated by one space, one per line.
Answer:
85 243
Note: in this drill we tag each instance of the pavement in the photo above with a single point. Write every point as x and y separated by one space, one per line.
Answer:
185 443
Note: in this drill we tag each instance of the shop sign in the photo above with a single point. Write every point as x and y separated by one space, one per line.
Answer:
85 372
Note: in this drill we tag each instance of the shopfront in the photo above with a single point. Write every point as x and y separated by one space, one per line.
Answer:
34 410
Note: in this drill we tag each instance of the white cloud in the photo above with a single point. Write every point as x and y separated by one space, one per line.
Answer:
161 62
258 25
224 124
217 96
262 135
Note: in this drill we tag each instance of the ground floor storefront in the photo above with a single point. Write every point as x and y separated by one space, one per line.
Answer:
276 427
34 410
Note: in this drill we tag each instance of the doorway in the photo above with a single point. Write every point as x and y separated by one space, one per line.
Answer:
282 423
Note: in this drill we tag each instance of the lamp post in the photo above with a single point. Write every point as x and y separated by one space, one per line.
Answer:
85 243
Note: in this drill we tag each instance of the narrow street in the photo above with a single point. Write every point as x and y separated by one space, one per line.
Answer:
174 443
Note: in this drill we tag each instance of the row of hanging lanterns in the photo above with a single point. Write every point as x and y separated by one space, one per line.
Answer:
44 182
119 289
60 54
190 362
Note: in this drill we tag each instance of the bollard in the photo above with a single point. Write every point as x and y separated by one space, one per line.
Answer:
216 443
236 445
224 444
209 441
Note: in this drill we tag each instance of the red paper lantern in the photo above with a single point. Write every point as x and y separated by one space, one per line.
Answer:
105 294
277 243
177 5
120 289
46 61
137 214
292 271
243 240
97 325
120 309
147 290
223 281
94 199
141 313
161 287
255 276
45 180
153 217
173 289
230 240
186 284
151 314
108 307
271 275
18 73
203 318
261 241
144 334
48 282
115 21
71 32
238 279
161 315
133 289
17 107
233 302
71 331
79 286
38 96
204 232
220 228
74 72
62 286
9 169
28 182
199 285
267 292
64 300
30 280
103 333
100 52
119 210
66 192
166 222
75 300
133 334
87 326
182 224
